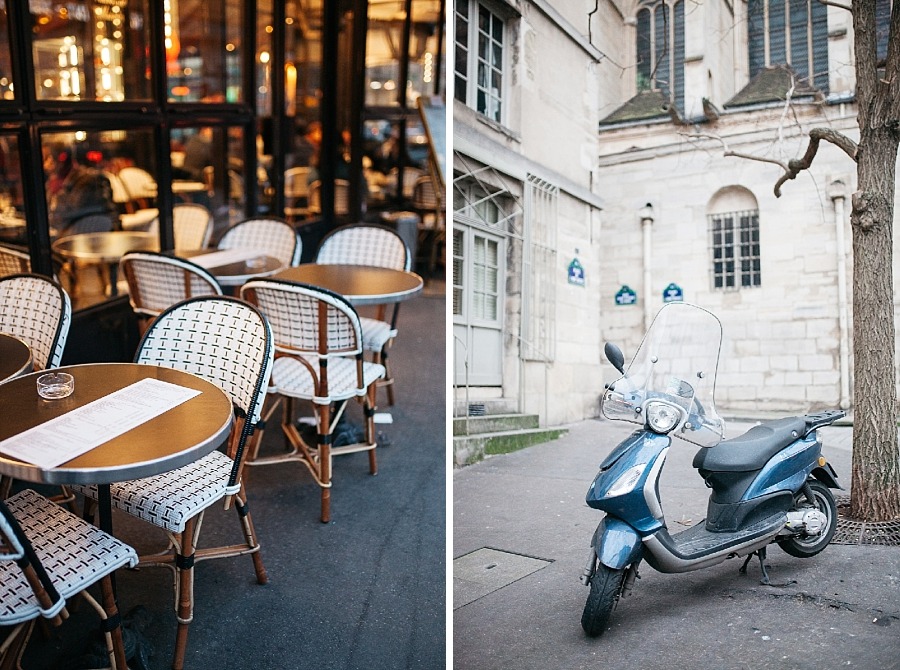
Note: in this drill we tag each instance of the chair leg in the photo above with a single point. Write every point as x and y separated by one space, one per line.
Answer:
117 653
323 415
388 381
13 646
243 512
184 590
369 429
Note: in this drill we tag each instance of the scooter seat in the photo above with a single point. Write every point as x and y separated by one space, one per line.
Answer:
753 449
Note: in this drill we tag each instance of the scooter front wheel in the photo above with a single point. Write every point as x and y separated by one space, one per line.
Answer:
803 546
606 587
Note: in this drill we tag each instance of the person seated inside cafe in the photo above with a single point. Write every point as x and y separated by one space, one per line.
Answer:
79 194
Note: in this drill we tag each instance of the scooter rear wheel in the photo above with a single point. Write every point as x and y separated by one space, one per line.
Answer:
606 587
804 547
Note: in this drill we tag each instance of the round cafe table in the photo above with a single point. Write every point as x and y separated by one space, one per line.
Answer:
106 247
15 357
360 284
168 441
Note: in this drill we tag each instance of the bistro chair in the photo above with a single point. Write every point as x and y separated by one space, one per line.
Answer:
47 556
192 224
37 310
341 197
139 184
296 192
379 246
229 343
319 358
13 261
430 208
157 281
275 237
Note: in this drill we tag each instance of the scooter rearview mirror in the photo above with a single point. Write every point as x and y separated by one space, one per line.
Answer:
615 356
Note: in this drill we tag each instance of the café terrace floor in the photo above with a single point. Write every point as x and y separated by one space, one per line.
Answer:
366 590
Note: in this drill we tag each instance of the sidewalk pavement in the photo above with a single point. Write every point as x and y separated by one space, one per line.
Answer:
521 537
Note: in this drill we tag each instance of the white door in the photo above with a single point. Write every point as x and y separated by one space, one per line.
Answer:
478 278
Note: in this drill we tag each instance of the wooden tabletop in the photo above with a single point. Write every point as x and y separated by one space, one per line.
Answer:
360 284
15 357
174 438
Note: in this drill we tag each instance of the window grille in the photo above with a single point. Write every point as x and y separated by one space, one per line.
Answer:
735 250
539 276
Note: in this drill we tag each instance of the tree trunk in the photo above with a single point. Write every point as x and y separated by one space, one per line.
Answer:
875 493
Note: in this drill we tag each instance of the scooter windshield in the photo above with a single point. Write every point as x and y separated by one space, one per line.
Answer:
674 368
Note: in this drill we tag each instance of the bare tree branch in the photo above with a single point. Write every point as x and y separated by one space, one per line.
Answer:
737 154
795 165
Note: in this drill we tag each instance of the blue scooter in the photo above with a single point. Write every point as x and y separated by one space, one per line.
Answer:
770 484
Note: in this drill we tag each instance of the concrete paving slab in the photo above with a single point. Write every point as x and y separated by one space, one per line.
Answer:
485 570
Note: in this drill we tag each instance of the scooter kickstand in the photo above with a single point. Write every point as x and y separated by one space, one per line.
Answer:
761 553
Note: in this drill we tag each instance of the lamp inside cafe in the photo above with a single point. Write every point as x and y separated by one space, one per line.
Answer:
211 214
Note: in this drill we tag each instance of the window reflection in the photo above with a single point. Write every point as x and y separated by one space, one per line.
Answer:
6 74
94 50
12 217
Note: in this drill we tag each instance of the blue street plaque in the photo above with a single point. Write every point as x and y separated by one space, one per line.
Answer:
673 293
576 273
626 296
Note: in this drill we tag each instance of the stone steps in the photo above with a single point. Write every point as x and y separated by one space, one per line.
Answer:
478 436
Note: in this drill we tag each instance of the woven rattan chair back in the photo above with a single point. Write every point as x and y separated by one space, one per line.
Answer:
275 237
221 339
13 261
364 244
306 320
192 225
37 310
156 282
139 183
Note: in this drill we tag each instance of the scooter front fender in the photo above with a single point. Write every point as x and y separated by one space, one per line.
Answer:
616 544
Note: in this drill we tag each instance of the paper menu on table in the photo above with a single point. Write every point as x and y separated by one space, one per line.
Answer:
61 439
217 259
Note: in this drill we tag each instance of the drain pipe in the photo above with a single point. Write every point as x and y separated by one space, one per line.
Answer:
646 214
837 193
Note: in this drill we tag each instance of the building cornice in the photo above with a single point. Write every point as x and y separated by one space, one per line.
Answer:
469 141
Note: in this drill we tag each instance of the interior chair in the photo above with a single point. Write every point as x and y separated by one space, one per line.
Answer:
192 224
157 281
48 556
13 261
380 246
120 194
38 311
430 209
296 192
140 185
272 236
229 343
319 358
341 197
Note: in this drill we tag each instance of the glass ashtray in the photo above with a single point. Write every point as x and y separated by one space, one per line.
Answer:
256 262
55 385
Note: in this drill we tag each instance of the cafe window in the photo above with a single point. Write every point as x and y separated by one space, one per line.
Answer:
480 52
91 50
203 49
660 49
734 240
789 32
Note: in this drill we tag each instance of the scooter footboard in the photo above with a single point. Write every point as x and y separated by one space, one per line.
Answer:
617 544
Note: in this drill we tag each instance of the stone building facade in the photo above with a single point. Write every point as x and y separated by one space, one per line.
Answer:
695 103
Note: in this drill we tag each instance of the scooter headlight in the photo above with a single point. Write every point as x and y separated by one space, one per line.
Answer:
662 416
